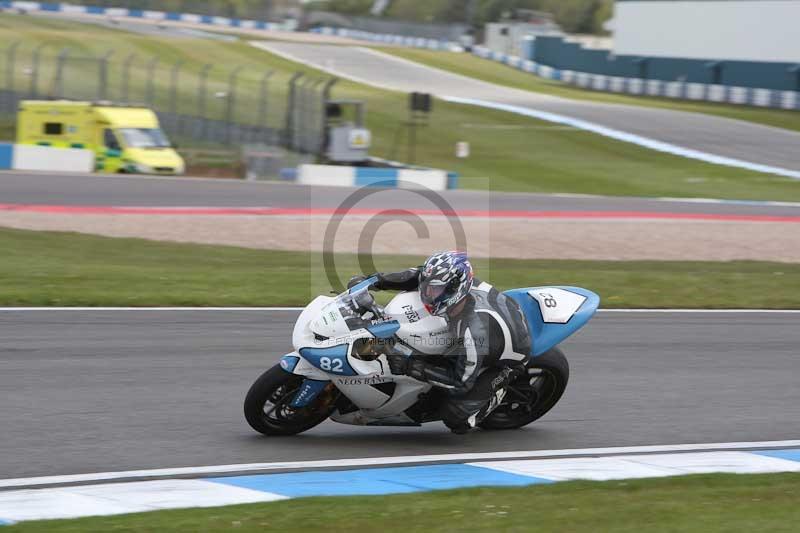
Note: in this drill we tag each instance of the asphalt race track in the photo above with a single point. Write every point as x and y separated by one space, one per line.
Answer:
93 391
707 133
26 188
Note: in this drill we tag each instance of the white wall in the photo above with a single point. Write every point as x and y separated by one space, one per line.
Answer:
423 179
32 157
512 42
337 176
752 30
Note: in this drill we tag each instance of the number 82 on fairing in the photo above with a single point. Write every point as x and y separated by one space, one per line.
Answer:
331 365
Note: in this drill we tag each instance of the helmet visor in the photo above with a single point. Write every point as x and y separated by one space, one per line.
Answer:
434 293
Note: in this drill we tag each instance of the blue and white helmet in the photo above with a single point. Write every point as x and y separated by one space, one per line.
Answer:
445 280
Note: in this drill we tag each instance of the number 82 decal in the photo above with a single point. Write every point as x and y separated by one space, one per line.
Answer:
331 365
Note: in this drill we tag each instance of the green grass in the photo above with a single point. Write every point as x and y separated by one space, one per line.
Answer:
494 72
65 269
513 153
704 504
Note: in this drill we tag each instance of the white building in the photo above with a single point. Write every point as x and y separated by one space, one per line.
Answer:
509 36
748 30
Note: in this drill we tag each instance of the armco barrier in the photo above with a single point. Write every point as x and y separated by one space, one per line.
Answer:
385 38
6 156
32 157
637 86
344 176
559 52
141 13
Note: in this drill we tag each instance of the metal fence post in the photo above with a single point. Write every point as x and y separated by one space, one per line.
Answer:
37 52
291 104
262 104
151 74
126 75
58 82
300 107
299 117
323 132
102 90
311 121
231 104
11 57
173 89
202 92
306 91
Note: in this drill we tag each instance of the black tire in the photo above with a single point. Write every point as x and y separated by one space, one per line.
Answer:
267 410
543 386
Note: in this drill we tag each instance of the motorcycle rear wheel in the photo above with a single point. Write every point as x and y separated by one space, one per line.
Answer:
530 396
267 404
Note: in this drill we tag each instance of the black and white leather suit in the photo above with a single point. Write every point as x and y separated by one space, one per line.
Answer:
488 347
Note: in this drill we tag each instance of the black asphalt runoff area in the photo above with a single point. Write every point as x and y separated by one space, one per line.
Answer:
27 188
94 391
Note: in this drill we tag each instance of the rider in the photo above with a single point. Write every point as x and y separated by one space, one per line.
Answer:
487 331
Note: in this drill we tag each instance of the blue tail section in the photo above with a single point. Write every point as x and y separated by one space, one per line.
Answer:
547 335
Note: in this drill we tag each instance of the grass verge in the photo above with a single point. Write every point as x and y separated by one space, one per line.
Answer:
704 503
494 72
512 152
67 269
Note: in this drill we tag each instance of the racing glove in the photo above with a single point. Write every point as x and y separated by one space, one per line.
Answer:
404 363
398 363
411 366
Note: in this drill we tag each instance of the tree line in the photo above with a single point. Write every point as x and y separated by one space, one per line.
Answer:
574 16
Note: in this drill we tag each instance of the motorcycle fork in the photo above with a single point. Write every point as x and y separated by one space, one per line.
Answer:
328 396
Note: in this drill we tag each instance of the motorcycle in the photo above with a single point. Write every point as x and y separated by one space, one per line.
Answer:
339 369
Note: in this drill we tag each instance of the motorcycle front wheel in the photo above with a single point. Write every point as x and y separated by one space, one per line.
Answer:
530 396
268 410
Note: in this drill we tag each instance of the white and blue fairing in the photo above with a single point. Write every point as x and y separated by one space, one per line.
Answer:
323 336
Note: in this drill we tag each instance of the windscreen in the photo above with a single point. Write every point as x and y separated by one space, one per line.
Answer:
144 138
350 306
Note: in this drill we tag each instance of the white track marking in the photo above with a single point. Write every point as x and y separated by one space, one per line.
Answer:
755 203
642 466
623 136
376 461
119 498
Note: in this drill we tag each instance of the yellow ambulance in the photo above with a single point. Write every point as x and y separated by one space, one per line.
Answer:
124 139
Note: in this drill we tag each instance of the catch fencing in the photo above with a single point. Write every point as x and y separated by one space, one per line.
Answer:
201 105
